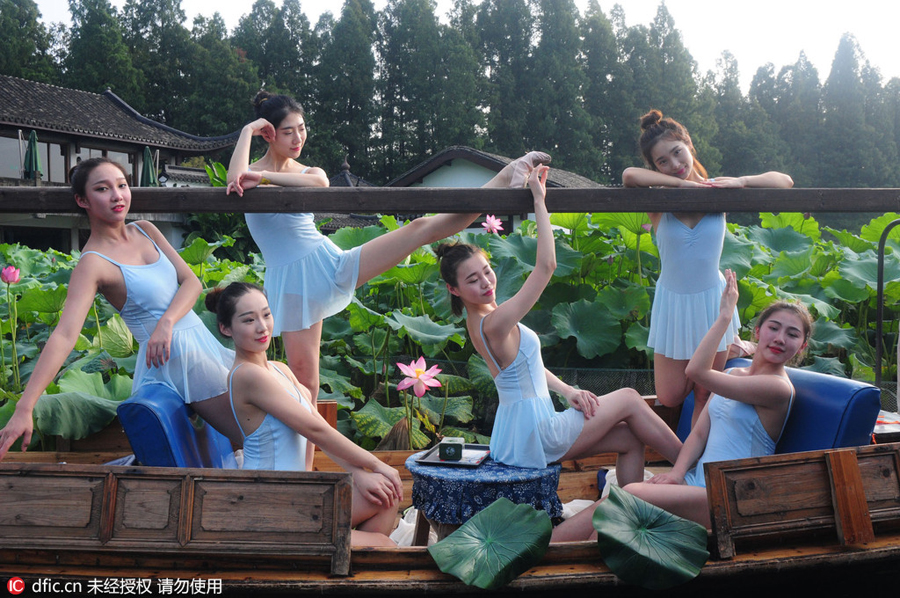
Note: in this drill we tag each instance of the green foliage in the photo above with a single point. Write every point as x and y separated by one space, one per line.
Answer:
594 314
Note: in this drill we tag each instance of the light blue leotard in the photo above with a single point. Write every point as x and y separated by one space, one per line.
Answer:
273 445
735 432
528 432
690 285
198 364
308 277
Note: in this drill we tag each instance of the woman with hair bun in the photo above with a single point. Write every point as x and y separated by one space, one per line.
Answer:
308 278
273 416
153 289
690 245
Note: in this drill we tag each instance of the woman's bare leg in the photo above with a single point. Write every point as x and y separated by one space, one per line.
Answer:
673 386
690 502
369 517
628 407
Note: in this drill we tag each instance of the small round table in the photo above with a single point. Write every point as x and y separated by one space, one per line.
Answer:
447 496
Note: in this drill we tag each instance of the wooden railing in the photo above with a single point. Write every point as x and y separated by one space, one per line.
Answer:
391 200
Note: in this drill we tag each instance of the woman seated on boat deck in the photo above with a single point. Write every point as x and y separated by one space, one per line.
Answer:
274 416
528 431
744 417
153 289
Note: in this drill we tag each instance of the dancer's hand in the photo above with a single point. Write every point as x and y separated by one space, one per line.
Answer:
262 128
20 425
584 401
159 346
667 478
537 181
244 181
729 295
375 488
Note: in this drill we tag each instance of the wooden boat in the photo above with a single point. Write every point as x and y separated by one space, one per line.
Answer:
817 519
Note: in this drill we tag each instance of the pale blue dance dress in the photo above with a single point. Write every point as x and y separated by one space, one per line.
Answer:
735 432
198 364
690 285
273 445
528 432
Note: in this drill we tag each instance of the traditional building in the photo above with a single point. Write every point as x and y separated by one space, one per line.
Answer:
72 125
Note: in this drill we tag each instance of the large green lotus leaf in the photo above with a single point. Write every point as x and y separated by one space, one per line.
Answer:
73 414
349 237
874 229
524 250
737 255
827 365
636 338
456 408
779 239
115 337
632 222
851 241
431 335
827 333
863 269
77 381
628 302
596 332
362 318
510 276
201 250
481 377
43 300
338 383
495 546
573 222
645 545
415 273
803 225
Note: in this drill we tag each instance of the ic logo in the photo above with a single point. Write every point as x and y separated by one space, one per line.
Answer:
15 585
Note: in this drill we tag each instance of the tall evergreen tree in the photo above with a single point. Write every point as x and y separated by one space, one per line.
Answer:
220 82
344 115
558 122
161 48
97 58
26 49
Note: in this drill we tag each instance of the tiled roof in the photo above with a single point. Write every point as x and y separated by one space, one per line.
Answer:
558 177
101 116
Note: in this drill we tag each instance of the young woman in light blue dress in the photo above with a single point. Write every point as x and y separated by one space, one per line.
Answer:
308 278
154 291
744 417
274 416
527 431
690 245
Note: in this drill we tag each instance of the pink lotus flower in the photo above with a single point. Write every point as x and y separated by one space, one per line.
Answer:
9 275
418 377
647 227
492 224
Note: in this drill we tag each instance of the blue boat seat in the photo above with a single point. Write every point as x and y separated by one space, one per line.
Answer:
828 412
163 434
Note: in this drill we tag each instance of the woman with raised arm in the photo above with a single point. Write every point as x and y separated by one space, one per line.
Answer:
690 247
152 288
527 431
744 417
308 278
274 416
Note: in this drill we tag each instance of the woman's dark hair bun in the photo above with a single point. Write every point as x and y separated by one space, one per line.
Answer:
651 118
212 299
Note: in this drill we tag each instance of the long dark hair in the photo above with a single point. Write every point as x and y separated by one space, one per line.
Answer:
655 128
450 256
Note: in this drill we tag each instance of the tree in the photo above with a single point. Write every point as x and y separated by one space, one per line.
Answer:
26 53
344 114
558 122
97 57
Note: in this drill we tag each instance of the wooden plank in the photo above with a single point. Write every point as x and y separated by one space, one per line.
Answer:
763 500
854 524
58 200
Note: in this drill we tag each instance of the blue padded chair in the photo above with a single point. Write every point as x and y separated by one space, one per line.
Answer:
828 412
159 427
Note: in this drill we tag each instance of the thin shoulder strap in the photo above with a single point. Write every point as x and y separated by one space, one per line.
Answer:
484 341
294 386
788 414
231 399
109 259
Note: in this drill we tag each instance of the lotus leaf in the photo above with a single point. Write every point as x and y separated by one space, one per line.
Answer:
495 546
645 545
73 414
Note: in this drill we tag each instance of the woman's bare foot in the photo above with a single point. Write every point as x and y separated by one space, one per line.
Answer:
520 168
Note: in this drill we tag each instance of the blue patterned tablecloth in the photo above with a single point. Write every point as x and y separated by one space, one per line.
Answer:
454 494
